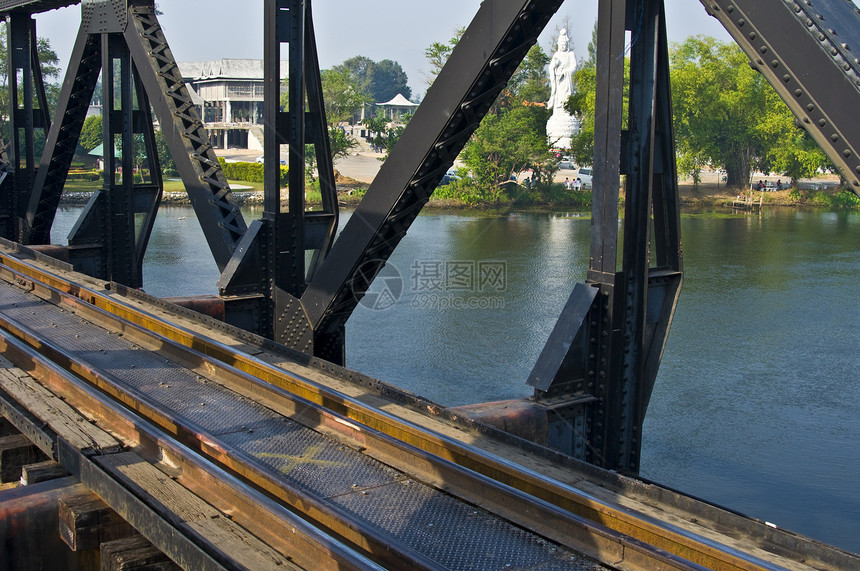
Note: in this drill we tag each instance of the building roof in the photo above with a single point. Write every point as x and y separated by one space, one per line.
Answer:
195 97
226 68
399 101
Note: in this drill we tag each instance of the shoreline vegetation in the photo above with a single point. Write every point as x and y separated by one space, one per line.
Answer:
695 197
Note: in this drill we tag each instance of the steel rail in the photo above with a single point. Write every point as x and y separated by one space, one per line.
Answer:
565 514
306 545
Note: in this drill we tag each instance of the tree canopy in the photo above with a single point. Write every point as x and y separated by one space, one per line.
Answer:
438 53
512 137
727 115
380 81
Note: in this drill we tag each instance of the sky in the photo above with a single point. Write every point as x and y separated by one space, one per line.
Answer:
200 30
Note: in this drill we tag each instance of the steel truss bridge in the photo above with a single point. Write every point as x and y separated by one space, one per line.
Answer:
267 358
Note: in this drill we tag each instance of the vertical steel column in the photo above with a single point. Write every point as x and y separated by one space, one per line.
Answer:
607 138
118 120
284 23
321 227
606 319
637 231
283 234
291 237
597 370
20 29
272 258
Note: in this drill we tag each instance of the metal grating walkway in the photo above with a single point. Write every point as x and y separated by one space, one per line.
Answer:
445 530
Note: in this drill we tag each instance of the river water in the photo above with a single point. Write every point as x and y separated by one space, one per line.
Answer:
757 403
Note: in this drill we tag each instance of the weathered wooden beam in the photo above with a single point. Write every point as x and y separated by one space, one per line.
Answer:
86 521
42 472
15 452
134 553
28 528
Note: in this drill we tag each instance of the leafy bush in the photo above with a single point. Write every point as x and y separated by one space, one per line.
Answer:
845 199
86 176
842 199
250 172
797 195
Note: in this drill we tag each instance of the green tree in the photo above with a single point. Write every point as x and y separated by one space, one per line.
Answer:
168 165
512 137
387 79
342 95
438 53
384 135
794 153
91 133
529 83
724 111
359 68
380 81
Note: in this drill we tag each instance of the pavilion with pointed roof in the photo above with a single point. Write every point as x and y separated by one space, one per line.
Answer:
397 107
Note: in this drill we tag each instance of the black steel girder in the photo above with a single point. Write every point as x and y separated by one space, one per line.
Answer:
272 259
486 56
28 111
158 81
183 130
111 235
81 78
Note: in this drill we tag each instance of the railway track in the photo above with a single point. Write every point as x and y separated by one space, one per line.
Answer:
279 449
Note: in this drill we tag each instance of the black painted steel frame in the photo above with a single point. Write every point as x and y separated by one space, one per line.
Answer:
271 263
596 390
287 278
28 110
597 370
110 238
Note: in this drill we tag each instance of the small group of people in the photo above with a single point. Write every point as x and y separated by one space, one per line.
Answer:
575 184
762 186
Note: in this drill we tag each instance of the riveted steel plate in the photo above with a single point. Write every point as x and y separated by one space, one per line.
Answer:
104 16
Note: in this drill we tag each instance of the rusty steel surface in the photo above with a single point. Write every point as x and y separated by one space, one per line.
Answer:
353 423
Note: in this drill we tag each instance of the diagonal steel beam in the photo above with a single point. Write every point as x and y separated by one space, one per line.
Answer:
74 100
196 161
479 67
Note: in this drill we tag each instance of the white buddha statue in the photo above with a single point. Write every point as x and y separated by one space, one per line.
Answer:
562 66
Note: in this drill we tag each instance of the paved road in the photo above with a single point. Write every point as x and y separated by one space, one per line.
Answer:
362 166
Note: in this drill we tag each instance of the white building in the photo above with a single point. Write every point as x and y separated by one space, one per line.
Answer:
229 96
